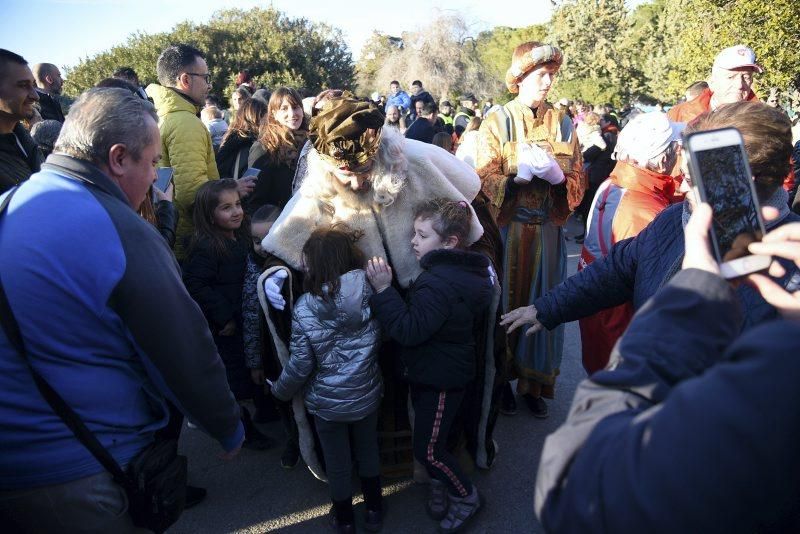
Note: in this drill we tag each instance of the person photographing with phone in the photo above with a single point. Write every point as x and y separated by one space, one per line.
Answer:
699 434
635 269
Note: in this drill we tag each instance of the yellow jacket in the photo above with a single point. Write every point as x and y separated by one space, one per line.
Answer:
186 147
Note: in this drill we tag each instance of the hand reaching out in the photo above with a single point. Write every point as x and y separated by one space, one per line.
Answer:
521 316
379 274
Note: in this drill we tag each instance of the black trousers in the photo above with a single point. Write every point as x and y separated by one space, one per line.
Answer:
434 412
339 440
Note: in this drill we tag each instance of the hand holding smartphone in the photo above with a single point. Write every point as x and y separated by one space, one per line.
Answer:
164 177
719 168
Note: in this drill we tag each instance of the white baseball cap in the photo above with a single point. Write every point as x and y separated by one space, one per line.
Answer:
737 57
646 136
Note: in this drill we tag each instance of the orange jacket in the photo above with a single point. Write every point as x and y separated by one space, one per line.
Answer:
644 195
688 111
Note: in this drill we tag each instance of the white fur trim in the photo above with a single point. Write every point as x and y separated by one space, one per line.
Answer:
431 172
490 372
304 432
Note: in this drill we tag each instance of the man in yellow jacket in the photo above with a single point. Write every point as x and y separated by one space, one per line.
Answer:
185 142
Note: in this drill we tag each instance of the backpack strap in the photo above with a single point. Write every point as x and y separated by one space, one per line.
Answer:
59 406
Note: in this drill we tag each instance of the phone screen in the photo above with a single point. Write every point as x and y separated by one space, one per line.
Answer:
164 177
726 182
252 171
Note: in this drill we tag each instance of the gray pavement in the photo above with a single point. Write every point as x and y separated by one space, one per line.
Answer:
253 494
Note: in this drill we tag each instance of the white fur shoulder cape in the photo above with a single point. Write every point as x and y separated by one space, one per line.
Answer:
429 172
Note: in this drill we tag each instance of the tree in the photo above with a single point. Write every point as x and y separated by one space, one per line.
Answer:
494 47
275 49
587 31
442 55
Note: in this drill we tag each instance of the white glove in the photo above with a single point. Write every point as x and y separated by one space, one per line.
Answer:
532 160
272 287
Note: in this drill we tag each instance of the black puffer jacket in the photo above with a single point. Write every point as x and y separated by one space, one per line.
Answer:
435 325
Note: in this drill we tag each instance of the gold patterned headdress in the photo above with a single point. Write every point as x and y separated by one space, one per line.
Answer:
346 131
521 66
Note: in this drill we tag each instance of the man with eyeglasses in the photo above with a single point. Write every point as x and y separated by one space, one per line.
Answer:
731 81
185 142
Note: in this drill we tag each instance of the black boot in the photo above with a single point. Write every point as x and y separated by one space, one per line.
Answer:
373 500
342 519
253 438
508 405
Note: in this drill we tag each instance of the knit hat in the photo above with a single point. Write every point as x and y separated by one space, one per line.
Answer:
521 66
347 131
647 136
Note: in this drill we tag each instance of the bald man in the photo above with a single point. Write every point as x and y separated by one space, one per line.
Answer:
48 85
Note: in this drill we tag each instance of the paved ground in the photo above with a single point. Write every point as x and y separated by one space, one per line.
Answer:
253 494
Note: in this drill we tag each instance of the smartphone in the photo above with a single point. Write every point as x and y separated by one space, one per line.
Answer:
252 171
719 169
164 177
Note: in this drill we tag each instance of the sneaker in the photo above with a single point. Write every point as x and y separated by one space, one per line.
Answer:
194 496
537 406
290 456
460 511
437 500
508 404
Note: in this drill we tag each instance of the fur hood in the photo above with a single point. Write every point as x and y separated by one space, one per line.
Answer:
407 172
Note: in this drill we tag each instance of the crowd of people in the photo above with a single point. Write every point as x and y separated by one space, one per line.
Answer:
376 273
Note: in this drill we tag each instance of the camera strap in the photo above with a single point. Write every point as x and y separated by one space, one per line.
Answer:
59 406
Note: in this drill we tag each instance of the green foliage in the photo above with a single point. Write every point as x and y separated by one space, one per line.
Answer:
662 47
275 49
587 32
494 47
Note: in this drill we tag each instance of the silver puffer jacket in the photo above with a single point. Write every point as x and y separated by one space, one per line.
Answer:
334 353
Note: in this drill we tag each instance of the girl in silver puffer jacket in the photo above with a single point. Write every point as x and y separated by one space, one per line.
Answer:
334 355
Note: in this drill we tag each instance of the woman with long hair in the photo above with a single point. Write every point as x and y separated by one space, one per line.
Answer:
242 133
280 139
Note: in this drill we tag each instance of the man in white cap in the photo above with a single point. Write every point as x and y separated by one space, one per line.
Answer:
639 188
731 81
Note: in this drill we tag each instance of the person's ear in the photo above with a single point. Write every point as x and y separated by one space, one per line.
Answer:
183 81
450 242
117 159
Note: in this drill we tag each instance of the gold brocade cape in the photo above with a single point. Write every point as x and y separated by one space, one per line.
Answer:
497 162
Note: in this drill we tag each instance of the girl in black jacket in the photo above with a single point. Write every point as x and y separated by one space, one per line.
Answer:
435 327
214 276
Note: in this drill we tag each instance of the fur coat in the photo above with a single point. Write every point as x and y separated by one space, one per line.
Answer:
420 171
416 172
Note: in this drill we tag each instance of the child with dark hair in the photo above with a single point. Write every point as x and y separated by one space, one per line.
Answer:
435 326
259 356
334 358
214 276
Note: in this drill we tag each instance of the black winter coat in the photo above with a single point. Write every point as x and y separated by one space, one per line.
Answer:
232 147
49 108
215 282
274 185
16 165
436 325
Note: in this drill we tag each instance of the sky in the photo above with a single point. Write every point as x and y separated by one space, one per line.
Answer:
64 31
